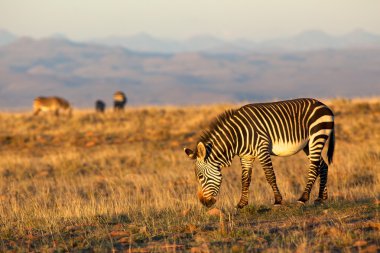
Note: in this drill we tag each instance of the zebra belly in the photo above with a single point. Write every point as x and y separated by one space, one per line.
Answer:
281 148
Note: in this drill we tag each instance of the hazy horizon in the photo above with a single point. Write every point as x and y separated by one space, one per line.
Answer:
142 33
257 21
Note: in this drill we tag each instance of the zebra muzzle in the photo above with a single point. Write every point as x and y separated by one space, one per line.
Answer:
208 202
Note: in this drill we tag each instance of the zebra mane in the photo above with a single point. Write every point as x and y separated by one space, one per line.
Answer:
218 121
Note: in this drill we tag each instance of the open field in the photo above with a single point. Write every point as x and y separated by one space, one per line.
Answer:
123 182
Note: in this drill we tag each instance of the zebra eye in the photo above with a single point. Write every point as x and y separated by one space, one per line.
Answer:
200 176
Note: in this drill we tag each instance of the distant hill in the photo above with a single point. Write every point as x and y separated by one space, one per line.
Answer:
308 40
304 41
317 40
85 72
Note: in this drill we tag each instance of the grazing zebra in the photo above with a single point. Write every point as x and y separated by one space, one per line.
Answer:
100 106
120 100
261 130
52 104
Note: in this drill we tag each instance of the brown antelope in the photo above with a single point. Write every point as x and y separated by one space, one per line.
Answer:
52 104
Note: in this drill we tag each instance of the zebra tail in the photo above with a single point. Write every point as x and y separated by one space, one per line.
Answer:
330 151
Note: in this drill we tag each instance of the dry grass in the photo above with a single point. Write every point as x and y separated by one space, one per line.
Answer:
122 182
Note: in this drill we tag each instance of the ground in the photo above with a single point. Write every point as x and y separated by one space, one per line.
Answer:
122 182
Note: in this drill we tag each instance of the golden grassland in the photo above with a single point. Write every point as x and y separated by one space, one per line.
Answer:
122 182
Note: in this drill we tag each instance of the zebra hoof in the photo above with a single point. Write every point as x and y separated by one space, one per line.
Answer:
319 202
239 207
300 202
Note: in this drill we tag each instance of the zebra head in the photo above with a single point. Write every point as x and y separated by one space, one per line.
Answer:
207 173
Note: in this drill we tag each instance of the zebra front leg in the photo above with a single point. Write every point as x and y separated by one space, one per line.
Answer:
246 166
266 163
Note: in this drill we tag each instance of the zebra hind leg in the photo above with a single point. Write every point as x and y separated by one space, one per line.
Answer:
246 165
312 176
323 181
313 151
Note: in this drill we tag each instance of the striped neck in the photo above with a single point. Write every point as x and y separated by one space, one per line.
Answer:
220 140
219 156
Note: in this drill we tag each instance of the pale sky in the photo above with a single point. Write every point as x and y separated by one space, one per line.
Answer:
181 19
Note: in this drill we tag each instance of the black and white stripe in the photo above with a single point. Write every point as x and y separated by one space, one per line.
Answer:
259 131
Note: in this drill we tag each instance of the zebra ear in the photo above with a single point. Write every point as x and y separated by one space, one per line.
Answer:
201 150
189 153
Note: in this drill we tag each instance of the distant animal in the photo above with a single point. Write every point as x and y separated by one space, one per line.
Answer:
259 131
51 104
120 100
100 106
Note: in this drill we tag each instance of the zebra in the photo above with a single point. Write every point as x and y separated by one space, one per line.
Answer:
120 100
53 104
100 106
258 131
